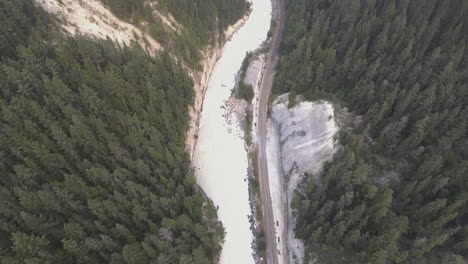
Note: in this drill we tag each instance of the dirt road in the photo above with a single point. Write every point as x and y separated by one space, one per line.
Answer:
272 256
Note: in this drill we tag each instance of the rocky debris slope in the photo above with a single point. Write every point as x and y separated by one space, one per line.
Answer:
300 140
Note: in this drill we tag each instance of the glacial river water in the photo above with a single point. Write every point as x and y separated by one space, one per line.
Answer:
220 158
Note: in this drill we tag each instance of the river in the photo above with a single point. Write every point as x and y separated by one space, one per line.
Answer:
220 158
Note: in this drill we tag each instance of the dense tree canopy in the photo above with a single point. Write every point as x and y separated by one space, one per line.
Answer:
397 190
92 160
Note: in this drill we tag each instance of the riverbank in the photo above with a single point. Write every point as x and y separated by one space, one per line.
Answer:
219 158
244 112
201 79
260 63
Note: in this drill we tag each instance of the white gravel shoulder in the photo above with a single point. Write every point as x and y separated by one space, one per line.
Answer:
279 198
300 139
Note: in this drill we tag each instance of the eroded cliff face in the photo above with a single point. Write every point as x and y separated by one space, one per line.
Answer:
91 18
300 140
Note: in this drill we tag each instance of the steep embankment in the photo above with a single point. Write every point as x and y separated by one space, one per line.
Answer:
253 78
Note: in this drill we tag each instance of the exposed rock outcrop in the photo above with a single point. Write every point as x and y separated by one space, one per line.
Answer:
300 140
306 135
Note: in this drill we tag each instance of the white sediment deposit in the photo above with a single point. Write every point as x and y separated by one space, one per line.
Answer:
300 139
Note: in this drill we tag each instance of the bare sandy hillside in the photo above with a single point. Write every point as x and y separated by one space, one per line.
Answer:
91 18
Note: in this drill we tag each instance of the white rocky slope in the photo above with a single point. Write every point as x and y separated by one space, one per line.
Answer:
300 139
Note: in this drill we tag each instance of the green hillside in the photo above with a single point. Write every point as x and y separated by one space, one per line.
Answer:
397 190
92 160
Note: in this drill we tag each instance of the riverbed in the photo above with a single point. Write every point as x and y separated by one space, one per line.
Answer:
220 158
